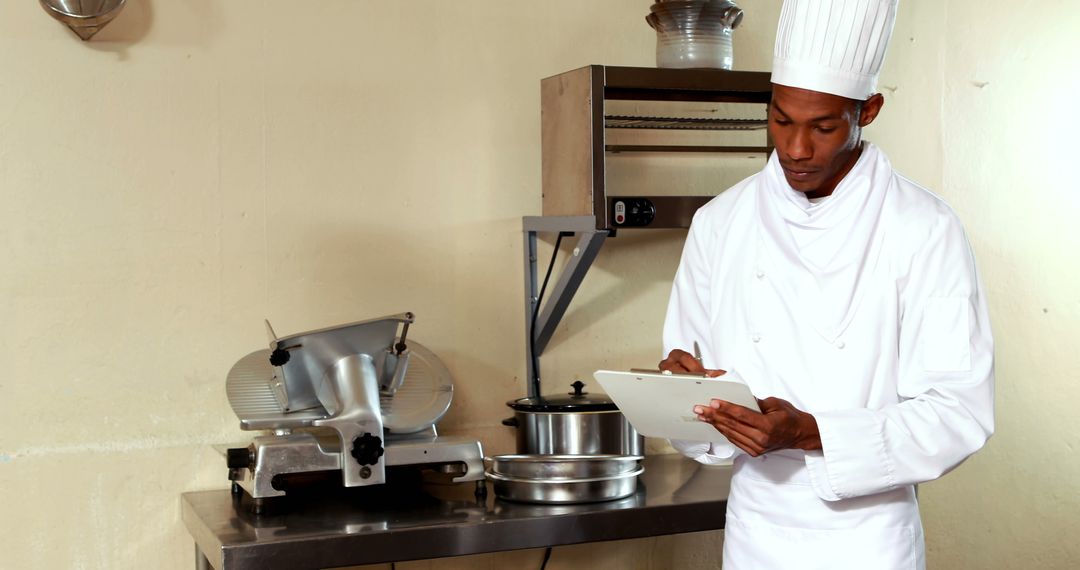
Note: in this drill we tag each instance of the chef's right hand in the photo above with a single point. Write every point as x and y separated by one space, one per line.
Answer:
683 362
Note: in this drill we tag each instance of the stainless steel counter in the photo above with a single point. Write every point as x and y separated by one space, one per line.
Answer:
389 523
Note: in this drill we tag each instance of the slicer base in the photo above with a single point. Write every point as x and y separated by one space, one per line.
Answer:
313 455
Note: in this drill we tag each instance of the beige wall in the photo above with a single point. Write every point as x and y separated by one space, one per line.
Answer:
203 164
1008 130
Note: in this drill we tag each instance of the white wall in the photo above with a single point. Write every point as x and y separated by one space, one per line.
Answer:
202 165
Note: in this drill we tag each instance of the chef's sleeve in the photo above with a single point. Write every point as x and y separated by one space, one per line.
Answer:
687 322
945 386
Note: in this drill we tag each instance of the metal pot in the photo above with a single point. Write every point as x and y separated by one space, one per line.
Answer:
565 491
562 466
575 424
563 479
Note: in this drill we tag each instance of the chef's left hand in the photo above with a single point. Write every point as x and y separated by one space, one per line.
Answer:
779 425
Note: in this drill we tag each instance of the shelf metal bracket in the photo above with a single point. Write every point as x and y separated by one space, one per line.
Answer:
558 296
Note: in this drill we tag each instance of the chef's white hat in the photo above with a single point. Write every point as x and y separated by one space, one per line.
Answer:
833 46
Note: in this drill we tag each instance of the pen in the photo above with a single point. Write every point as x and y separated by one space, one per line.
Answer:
697 352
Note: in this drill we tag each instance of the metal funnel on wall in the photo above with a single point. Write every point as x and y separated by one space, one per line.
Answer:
84 17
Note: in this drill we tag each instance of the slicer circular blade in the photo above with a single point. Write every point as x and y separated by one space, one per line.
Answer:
250 387
423 397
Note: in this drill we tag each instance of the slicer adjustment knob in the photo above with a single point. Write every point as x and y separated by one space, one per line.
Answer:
279 357
367 449
238 458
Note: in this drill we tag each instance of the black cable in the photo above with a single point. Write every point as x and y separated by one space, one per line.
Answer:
547 556
536 313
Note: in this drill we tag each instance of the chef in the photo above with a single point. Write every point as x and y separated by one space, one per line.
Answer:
847 297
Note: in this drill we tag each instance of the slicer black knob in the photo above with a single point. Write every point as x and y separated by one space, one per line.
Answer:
367 449
279 357
238 458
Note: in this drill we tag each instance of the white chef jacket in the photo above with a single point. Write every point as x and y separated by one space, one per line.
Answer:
864 310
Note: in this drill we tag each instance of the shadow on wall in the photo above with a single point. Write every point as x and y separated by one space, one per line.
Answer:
130 25
640 260
136 21
363 272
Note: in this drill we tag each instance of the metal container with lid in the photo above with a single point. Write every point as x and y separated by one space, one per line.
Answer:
577 423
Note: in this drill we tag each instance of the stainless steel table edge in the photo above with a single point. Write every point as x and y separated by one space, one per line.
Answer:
208 547
459 538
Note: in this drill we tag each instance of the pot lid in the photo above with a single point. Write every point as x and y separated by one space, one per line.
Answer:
576 401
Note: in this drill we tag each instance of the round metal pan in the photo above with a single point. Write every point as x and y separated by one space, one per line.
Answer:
539 466
565 491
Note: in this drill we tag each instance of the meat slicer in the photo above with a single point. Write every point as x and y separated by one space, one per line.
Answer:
357 398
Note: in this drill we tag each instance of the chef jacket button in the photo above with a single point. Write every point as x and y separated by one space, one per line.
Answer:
756 338
760 274
840 344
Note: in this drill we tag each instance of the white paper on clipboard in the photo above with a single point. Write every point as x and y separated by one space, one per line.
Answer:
662 405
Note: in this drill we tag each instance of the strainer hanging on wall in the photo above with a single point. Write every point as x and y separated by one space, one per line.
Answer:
84 17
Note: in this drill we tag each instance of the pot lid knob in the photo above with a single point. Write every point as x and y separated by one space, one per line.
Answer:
577 386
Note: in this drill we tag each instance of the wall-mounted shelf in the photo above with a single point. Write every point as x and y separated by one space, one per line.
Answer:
616 148
575 118
683 123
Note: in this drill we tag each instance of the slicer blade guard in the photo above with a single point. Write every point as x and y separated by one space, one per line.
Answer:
311 354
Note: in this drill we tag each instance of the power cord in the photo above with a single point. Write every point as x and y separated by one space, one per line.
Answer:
547 556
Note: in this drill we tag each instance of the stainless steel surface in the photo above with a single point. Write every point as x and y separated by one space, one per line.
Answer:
577 433
529 466
547 320
441 450
84 17
574 122
656 84
584 253
576 114
531 301
271 336
364 402
350 392
424 395
674 495
282 455
558 223
201 562
532 365
573 273
565 491
400 367
677 123
313 452
258 397
311 353
617 148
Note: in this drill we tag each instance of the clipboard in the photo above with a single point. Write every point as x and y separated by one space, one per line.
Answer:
662 404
